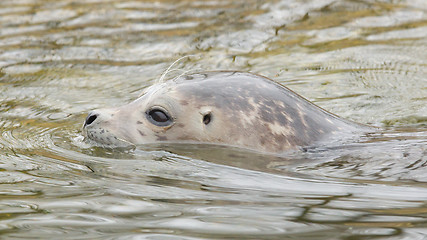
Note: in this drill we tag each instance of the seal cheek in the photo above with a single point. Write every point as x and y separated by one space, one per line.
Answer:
141 133
161 138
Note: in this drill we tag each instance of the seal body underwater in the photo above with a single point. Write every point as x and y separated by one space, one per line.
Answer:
227 108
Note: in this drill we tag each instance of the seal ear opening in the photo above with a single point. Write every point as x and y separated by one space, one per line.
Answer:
206 112
207 118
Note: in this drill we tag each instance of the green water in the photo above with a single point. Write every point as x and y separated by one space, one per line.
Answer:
362 60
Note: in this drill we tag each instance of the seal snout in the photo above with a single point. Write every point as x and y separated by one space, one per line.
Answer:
91 118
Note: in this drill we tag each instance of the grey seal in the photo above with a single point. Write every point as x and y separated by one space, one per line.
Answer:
235 109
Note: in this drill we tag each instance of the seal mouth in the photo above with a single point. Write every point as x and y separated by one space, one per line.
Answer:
122 144
104 138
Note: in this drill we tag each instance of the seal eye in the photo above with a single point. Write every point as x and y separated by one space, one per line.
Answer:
159 117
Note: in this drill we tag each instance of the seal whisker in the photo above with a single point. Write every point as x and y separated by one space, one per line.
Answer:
161 80
162 77
185 72
178 70
159 85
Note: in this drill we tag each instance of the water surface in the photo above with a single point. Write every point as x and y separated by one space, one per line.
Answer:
362 60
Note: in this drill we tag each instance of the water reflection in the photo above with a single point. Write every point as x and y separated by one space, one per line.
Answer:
363 60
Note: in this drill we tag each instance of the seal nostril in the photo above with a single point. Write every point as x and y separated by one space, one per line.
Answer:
90 119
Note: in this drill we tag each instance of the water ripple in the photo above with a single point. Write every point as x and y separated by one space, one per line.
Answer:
363 60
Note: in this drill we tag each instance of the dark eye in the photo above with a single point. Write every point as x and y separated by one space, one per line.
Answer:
159 117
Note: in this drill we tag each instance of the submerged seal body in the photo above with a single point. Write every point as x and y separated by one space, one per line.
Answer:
227 108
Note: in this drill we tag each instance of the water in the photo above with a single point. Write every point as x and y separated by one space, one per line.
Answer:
363 60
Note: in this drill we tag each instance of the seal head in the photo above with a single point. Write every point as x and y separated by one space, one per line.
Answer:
227 108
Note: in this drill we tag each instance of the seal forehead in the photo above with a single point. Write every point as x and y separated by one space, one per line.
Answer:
226 90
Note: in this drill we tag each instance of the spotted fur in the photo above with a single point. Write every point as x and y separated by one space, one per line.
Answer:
246 110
